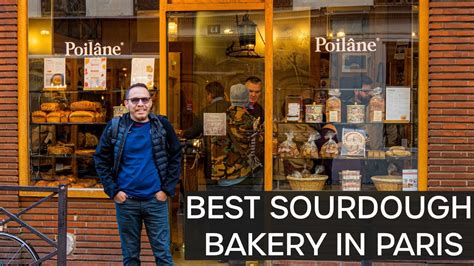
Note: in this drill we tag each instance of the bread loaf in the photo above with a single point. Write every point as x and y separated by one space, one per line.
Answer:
85 152
56 117
38 117
59 150
85 106
49 107
82 117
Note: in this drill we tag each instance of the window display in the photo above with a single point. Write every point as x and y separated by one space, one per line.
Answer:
339 63
79 68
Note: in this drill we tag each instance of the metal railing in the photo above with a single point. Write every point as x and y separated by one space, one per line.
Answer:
60 244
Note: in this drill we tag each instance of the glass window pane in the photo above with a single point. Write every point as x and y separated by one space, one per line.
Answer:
345 77
209 54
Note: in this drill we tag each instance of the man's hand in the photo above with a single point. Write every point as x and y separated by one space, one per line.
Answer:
161 196
120 197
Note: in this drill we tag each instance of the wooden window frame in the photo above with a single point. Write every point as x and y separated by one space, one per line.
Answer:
216 5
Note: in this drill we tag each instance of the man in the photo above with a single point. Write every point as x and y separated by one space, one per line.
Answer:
138 161
217 104
234 156
254 86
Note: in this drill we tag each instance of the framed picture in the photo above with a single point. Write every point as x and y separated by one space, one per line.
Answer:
354 62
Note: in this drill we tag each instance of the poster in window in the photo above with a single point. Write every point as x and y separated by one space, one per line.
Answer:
354 63
143 70
214 124
397 107
95 71
54 73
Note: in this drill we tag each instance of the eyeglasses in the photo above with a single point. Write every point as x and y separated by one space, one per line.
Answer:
144 100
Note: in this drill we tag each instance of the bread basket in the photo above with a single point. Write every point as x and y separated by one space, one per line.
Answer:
388 182
310 183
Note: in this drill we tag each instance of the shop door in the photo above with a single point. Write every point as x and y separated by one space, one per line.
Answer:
208 53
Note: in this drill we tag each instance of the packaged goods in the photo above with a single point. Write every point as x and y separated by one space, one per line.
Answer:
314 113
353 142
288 148
330 149
293 110
309 149
333 106
356 113
350 180
376 106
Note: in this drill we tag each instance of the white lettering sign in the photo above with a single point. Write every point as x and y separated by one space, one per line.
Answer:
341 45
91 49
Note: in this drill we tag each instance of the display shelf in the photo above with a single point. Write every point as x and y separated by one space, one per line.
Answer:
60 156
387 158
69 123
347 124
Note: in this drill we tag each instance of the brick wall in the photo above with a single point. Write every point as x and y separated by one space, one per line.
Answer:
8 102
451 96
91 220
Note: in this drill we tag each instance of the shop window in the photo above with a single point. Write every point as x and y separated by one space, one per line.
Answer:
345 88
81 60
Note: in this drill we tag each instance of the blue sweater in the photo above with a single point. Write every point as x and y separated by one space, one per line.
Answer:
138 176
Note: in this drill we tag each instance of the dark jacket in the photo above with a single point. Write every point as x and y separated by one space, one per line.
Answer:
257 112
219 106
166 153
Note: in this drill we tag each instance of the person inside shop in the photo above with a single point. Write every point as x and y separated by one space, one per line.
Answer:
216 104
254 86
139 172
234 156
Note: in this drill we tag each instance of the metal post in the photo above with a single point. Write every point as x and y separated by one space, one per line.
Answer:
62 225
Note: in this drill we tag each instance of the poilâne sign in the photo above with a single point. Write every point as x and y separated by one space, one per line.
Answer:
91 49
343 45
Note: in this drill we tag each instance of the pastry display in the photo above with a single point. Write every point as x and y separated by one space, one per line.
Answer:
82 117
59 150
288 148
49 107
38 117
356 113
398 151
376 106
85 106
376 154
333 106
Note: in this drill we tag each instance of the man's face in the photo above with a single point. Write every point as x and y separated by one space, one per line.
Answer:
255 90
139 104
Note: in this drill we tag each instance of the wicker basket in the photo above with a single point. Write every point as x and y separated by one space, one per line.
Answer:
388 182
311 183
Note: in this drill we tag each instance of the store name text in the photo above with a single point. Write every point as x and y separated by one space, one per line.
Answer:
91 49
343 45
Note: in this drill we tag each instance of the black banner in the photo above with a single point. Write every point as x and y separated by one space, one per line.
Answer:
329 226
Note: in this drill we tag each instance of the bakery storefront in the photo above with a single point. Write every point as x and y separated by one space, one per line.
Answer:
340 93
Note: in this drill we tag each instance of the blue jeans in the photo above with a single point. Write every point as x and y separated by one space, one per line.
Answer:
130 216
